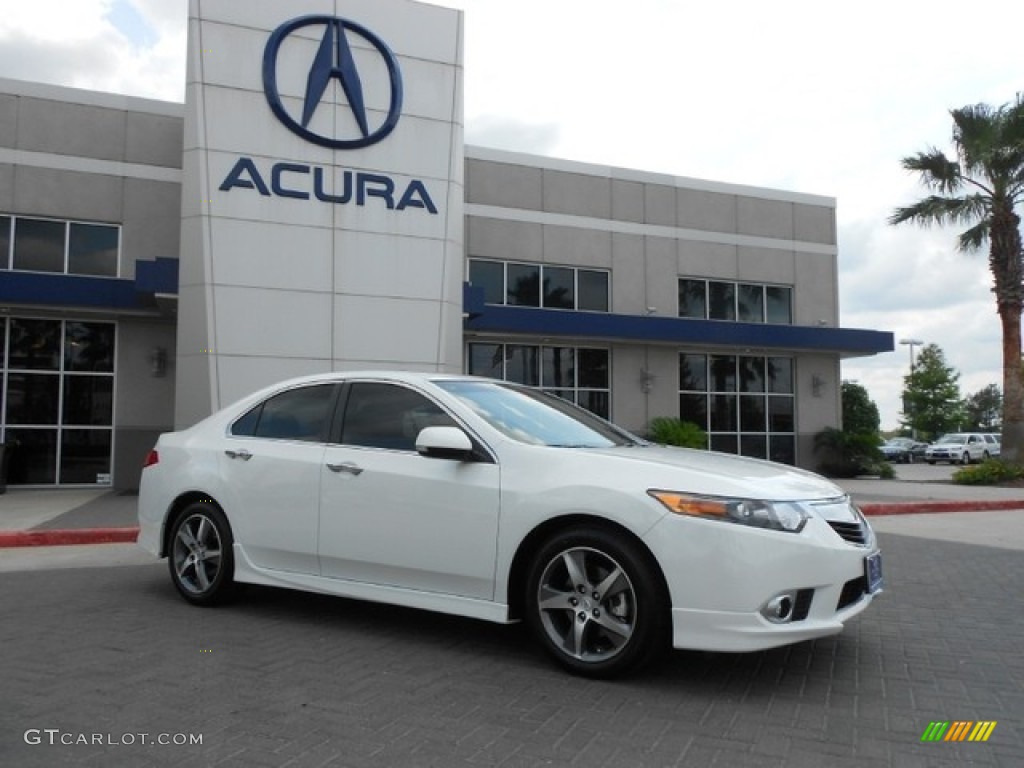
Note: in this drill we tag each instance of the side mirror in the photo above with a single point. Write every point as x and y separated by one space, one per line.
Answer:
444 443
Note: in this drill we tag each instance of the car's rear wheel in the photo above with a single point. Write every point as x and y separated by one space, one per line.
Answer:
199 554
596 603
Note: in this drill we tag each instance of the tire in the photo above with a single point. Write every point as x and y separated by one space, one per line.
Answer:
596 603
965 459
932 462
200 556
985 456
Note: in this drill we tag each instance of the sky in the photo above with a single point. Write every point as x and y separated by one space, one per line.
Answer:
814 97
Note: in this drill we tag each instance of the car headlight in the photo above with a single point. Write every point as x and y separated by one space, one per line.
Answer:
773 515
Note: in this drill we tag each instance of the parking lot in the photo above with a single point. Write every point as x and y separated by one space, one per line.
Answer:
108 658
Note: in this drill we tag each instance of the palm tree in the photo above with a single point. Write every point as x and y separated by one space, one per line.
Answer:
982 187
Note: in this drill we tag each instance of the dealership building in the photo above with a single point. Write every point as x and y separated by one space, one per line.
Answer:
313 206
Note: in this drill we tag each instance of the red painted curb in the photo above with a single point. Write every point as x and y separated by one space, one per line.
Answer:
67 536
931 507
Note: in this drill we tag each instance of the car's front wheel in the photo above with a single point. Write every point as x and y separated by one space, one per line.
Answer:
965 459
199 554
596 603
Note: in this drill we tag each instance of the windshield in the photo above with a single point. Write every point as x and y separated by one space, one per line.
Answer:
535 417
953 439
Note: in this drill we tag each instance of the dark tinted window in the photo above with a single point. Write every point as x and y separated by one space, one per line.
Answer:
89 347
298 414
779 307
751 303
693 300
5 241
92 250
521 365
486 360
381 415
593 290
489 275
722 301
524 285
35 344
559 288
39 245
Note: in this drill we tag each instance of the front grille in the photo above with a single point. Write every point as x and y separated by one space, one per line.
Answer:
853 590
851 532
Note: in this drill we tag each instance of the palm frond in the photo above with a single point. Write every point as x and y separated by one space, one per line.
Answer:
936 171
935 209
974 238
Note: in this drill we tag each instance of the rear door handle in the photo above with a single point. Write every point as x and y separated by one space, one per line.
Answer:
244 455
346 466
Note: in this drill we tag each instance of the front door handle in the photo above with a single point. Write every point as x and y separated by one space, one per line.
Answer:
346 466
244 455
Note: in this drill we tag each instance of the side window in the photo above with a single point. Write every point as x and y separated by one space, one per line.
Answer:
388 416
298 414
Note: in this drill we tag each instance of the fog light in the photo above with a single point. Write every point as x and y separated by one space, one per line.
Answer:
779 610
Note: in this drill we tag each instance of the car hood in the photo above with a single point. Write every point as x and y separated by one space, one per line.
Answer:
718 474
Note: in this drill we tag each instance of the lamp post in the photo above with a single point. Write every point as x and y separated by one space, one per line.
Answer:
912 343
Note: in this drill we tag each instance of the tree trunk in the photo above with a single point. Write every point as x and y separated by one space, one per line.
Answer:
1013 385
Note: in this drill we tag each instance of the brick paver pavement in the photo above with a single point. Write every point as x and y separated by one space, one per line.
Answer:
286 679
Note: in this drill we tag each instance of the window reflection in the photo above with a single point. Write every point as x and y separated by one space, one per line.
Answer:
59 400
577 374
745 403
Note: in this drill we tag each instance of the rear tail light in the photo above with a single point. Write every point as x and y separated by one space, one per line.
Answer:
151 458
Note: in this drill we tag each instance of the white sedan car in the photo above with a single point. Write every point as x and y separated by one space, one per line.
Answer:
490 500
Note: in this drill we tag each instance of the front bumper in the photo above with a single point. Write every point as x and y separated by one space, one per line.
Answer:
721 575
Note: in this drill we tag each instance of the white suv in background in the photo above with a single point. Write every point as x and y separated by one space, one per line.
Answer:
963 448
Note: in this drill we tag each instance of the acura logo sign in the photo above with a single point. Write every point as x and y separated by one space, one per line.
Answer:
333 61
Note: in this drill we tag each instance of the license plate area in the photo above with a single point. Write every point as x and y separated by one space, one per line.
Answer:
873 573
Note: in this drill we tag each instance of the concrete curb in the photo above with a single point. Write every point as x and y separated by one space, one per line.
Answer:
67 536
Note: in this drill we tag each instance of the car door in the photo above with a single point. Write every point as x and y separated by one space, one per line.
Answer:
390 516
271 461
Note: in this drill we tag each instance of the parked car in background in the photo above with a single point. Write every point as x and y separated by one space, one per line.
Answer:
962 448
995 443
903 450
494 501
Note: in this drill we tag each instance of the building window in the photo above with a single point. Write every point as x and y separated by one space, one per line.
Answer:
58 400
540 285
578 374
736 302
63 247
746 404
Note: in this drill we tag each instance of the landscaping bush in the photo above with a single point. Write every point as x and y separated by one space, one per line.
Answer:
849 454
665 430
989 472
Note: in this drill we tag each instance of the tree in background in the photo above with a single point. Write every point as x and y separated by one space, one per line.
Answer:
853 450
931 395
983 409
860 414
980 187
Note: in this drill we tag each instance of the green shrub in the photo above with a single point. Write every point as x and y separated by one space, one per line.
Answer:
849 454
665 430
989 472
